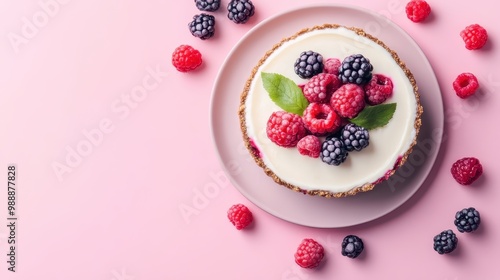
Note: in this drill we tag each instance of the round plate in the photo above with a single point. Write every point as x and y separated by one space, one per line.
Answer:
295 207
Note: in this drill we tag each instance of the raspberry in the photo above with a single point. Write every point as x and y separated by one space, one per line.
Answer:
355 69
352 246
378 89
474 36
310 145
355 137
333 151
465 85
240 11
207 5
185 58
308 64
331 66
240 216
320 119
202 26
320 87
417 10
309 253
445 242
348 100
467 219
466 170
285 129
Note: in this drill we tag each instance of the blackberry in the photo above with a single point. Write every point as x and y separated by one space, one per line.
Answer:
355 137
333 151
445 242
240 11
467 219
355 69
352 246
308 64
207 5
202 26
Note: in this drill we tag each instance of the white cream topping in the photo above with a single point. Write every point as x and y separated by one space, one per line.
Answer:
387 144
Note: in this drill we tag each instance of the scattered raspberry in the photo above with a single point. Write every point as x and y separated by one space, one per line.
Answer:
185 58
320 87
331 66
240 216
378 89
285 129
466 170
309 146
348 100
309 253
417 10
465 85
321 119
474 36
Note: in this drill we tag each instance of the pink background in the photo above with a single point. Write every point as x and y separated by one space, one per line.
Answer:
113 213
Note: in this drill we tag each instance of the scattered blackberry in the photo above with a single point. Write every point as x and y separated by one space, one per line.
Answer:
186 58
240 11
308 64
202 26
355 69
333 151
207 5
352 246
467 219
355 137
445 242
348 101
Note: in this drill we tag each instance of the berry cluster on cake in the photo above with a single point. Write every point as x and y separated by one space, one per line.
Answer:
330 111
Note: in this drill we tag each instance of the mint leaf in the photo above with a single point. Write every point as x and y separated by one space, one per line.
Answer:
375 116
285 93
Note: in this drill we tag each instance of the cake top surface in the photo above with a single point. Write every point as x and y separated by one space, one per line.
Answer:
389 145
